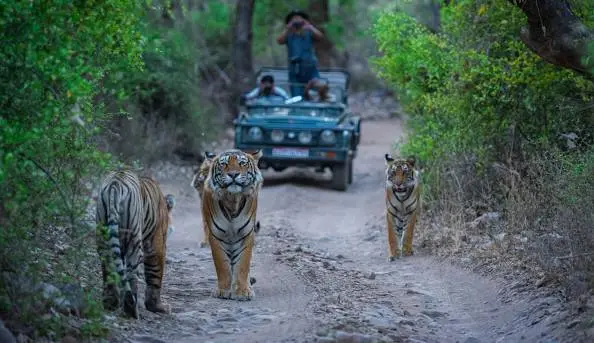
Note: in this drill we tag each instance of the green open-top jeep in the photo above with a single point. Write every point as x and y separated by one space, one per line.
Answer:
302 133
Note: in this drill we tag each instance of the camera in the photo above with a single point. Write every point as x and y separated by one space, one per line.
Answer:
267 89
298 24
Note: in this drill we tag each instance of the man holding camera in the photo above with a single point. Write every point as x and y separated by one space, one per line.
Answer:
267 90
299 35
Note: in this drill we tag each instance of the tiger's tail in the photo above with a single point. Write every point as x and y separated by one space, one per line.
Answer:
113 239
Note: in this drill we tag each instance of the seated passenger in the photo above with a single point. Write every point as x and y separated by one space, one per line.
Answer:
268 90
317 90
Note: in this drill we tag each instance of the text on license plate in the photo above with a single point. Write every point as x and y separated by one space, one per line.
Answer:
290 152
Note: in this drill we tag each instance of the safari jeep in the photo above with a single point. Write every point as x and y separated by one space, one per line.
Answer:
302 133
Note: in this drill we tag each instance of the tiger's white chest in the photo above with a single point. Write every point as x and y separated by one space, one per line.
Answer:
232 222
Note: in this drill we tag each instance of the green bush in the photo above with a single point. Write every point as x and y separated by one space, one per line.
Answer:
55 58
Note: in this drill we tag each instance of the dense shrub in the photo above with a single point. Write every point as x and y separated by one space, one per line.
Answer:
55 58
487 112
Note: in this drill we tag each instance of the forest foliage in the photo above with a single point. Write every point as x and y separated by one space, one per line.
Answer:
494 126
59 63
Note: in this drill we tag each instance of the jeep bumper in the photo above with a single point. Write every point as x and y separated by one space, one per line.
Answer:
280 157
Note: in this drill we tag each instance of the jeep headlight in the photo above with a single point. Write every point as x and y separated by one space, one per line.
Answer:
305 137
255 133
277 136
328 137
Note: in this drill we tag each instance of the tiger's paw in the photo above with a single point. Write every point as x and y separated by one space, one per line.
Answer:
408 253
244 295
153 303
159 308
221 293
131 305
393 258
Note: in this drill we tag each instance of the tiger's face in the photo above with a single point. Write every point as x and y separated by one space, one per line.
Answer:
202 173
235 171
400 174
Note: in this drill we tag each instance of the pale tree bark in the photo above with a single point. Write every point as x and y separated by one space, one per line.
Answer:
555 33
326 52
241 53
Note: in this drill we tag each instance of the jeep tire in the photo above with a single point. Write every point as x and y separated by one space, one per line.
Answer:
340 176
350 171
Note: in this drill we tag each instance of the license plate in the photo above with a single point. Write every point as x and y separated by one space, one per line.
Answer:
290 152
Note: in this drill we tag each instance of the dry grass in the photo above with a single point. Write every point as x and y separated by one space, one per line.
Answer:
536 220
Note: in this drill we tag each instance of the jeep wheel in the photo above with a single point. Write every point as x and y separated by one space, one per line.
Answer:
340 177
350 172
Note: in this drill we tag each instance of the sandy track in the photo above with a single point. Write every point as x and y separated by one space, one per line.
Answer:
321 266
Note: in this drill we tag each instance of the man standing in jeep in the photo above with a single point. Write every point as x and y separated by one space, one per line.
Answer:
299 35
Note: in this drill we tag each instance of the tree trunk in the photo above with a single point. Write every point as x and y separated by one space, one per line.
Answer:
434 22
555 33
326 52
241 53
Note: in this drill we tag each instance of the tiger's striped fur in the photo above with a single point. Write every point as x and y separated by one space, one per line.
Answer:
229 205
134 215
157 219
403 204
119 239
197 183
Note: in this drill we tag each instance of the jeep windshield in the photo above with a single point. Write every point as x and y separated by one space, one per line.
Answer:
303 109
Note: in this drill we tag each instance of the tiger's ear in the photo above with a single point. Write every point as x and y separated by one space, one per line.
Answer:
256 154
389 159
411 160
209 155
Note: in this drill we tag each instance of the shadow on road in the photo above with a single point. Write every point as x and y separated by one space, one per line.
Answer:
305 177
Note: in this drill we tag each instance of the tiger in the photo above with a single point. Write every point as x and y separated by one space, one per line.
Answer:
197 183
170 199
403 204
120 221
157 220
229 206
202 172
132 221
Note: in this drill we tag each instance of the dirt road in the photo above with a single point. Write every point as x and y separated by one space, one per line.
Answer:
322 271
